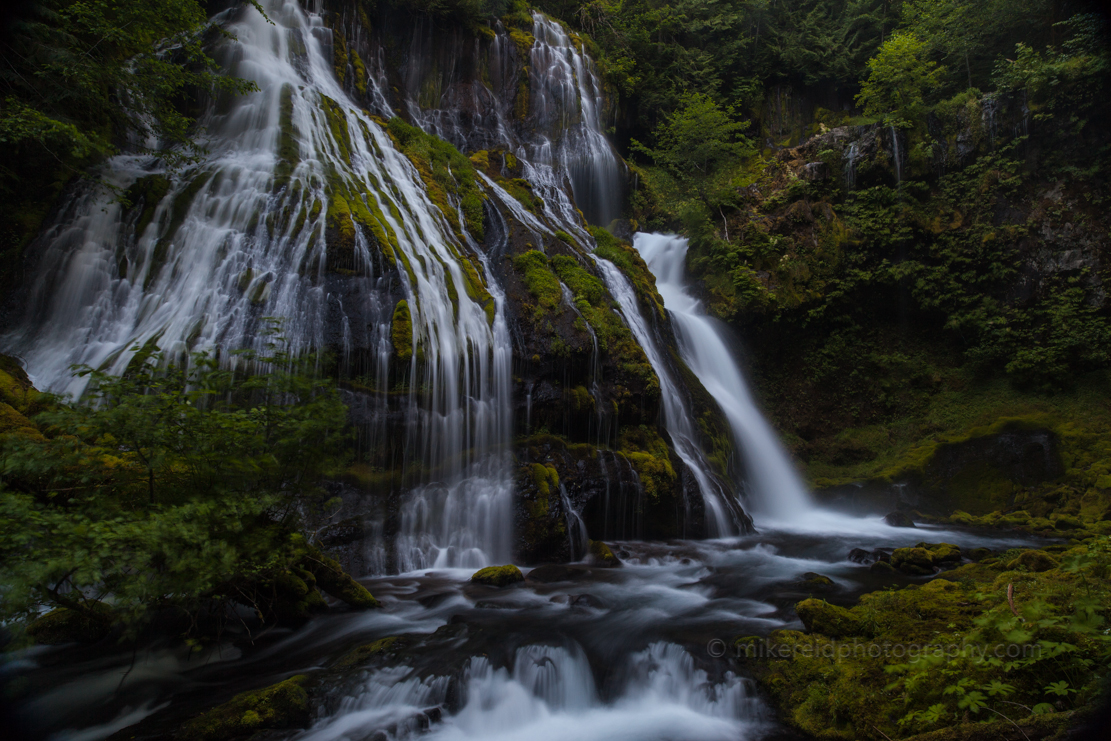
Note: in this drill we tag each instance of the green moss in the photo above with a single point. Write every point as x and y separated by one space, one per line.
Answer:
498 576
632 264
910 647
361 655
540 281
289 148
281 706
650 458
829 620
334 581
360 72
1035 561
582 284
339 54
914 561
602 554
447 174
401 332
544 478
523 40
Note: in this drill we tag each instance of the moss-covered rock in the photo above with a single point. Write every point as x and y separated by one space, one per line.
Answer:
942 553
601 554
336 582
362 654
829 620
65 625
498 576
284 705
913 561
401 331
812 580
1033 561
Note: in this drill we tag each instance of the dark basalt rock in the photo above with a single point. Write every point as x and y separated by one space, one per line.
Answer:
898 519
861 556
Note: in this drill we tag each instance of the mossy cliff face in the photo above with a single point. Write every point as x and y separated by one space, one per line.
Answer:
985 642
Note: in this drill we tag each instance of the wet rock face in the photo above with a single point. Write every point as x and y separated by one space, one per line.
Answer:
977 476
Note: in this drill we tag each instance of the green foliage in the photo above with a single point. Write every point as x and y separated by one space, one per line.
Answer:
899 78
173 486
952 650
80 74
698 138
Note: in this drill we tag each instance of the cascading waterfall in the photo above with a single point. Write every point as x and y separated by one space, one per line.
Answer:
721 519
561 140
566 101
242 237
549 693
777 491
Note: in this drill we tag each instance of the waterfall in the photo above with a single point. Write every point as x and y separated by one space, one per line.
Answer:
305 211
559 134
896 155
721 518
565 100
549 692
777 491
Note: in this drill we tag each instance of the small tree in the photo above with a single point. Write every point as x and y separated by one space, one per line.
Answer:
697 138
174 487
899 77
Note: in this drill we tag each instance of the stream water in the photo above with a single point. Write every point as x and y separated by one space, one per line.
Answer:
598 653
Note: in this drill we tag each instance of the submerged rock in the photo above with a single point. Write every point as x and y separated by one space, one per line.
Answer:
280 706
498 576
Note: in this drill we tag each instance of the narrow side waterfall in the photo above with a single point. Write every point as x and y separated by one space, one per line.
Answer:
721 519
549 693
777 492
566 102
305 211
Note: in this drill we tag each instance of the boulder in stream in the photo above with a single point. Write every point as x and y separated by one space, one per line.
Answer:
498 576
898 519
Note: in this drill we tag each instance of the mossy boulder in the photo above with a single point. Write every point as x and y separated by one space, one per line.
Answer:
335 582
281 706
1067 522
362 654
1033 561
64 625
913 561
812 580
829 620
882 567
602 555
942 553
498 576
